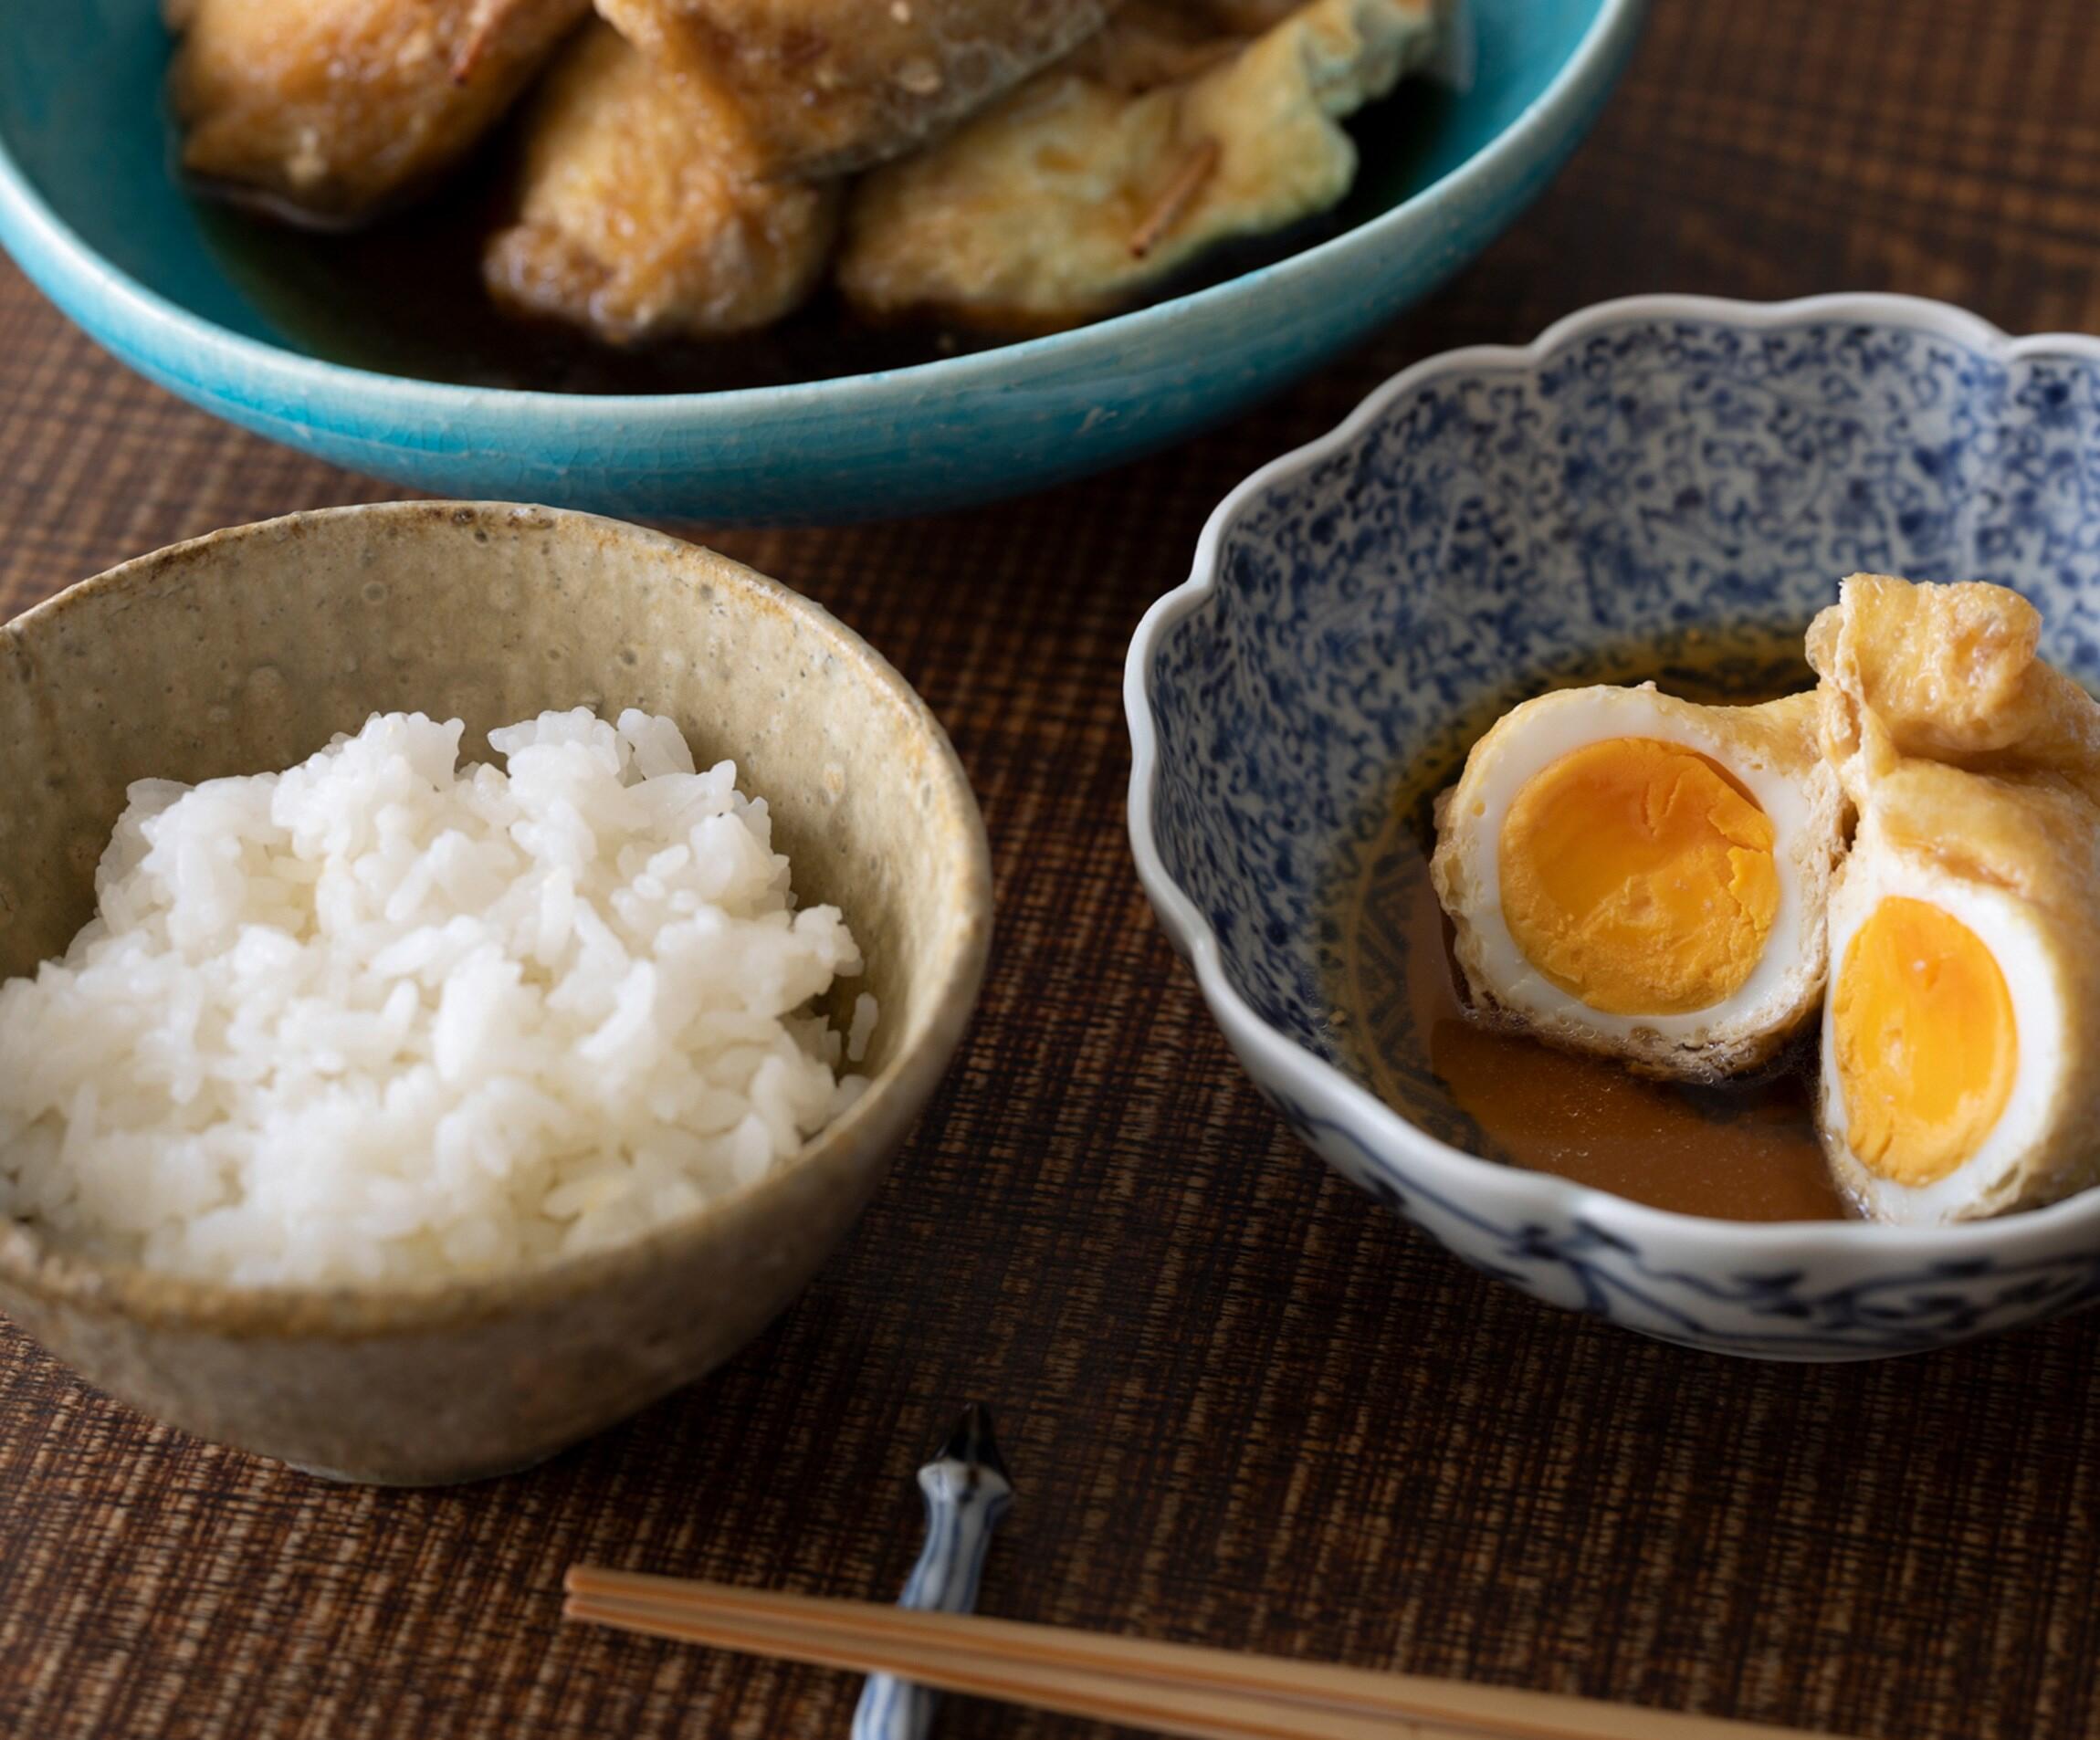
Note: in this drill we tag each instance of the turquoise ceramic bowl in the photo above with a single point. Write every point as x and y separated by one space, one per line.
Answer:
89 209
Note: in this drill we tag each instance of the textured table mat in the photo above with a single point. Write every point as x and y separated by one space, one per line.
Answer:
1242 1406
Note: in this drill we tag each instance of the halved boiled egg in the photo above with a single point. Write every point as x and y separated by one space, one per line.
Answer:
1960 1074
1961 1037
1643 877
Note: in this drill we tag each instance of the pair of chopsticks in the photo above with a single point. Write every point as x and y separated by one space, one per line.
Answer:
1171 1688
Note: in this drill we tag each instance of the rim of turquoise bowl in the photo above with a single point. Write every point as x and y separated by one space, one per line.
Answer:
29 225
1469 1178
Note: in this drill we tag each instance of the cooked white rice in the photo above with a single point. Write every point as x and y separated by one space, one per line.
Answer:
378 1018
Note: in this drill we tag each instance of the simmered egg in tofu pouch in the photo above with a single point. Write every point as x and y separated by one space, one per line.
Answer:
1636 877
1961 1037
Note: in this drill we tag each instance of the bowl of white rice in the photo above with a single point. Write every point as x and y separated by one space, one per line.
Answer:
462 969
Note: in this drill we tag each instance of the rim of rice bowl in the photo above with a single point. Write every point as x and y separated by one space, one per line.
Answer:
59 1273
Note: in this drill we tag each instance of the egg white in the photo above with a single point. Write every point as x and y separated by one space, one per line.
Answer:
1740 1029
1986 1182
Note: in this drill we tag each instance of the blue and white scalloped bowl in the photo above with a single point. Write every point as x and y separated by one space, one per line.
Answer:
1645 466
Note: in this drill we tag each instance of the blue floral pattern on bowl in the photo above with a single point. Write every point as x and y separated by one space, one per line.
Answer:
1657 469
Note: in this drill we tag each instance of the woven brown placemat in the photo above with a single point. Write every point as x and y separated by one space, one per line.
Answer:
1244 1405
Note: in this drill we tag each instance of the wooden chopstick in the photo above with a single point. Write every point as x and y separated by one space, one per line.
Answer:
1178 1689
1193 1716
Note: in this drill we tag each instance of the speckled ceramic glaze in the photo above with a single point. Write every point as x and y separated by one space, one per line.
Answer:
90 210
1493 517
246 651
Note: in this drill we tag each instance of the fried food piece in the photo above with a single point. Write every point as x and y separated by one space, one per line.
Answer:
1948 673
327 111
639 217
1112 170
1961 1038
1637 876
837 85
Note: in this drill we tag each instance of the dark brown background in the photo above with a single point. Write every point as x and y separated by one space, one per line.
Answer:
1242 1405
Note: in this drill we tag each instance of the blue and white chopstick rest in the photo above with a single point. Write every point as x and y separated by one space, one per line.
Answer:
967 1491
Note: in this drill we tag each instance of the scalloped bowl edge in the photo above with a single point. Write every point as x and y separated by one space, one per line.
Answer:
1306 1087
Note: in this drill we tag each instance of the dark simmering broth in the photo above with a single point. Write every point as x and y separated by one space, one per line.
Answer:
403 296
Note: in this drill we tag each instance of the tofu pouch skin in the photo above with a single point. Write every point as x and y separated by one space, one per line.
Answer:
1961 1034
1639 877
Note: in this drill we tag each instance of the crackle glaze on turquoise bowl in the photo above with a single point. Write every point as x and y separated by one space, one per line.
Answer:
90 210
1493 516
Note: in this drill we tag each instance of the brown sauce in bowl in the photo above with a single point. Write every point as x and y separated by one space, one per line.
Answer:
1744 1150
403 295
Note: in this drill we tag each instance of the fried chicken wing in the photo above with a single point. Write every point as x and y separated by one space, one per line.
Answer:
639 217
327 111
836 85
1096 178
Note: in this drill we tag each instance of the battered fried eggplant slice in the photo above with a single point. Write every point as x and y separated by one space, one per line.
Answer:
837 85
326 111
639 216
1095 180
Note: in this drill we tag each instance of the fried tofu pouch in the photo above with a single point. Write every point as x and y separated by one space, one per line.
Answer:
831 86
1947 674
1961 1037
1636 877
1166 135
328 111
639 216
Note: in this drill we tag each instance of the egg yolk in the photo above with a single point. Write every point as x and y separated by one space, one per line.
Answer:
1925 1043
1638 877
